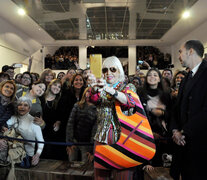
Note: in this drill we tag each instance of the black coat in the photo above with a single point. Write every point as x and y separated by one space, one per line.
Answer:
5 113
81 126
65 106
190 115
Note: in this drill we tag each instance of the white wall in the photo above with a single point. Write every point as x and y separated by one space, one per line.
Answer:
50 49
15 45
197 34
164 49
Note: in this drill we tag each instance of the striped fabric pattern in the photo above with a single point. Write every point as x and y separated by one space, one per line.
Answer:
136 144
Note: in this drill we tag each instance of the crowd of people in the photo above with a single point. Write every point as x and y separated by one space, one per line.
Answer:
76 107
153 56
63 58
67 57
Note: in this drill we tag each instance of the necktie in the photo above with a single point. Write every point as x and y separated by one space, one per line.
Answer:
189 77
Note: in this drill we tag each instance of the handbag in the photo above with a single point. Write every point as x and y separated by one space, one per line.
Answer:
136 143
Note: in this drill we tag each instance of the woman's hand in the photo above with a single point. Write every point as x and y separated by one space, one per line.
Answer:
174 93
157 112
70 149
35 159
3 144
56 126
98 85
148 168
4 129
178 138
39 121
146 64
91 80
109 90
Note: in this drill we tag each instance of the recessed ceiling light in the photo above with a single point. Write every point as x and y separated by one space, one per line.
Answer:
21 11
186 14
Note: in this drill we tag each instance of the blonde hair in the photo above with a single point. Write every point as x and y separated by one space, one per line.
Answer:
83 99
10 82
57 98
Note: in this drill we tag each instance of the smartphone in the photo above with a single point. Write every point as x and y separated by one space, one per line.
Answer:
177 85
37 114
17 65
96 65
140 62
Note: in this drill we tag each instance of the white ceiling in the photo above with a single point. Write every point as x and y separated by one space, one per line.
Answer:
130 27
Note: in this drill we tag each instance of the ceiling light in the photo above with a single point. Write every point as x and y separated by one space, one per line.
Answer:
21 12
186 14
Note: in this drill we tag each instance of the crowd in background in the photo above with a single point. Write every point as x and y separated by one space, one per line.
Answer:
54 108
153 56
67 57
78 108
58 106
63 58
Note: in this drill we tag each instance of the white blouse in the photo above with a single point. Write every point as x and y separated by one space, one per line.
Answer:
154 102
28 130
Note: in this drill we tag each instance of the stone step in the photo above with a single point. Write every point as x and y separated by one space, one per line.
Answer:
51 170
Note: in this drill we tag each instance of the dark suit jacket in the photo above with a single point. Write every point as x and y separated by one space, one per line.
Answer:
190 115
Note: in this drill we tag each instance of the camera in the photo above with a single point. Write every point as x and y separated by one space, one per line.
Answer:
140 62
17 65
170 66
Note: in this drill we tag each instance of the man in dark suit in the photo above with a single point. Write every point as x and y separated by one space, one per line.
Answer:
189 123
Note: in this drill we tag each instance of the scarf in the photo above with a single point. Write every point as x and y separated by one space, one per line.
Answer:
152 92
4 100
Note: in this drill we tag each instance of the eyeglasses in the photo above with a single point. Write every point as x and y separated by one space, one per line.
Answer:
27 78
112 69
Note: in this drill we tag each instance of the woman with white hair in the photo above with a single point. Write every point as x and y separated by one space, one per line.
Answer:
105 93
34 94
23 124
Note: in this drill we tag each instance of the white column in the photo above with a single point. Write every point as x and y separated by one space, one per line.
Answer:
82 57
132 59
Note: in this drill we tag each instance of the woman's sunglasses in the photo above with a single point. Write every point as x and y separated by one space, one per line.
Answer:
112 69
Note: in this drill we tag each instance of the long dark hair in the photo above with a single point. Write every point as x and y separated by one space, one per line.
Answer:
184 73
72 89
160 85
162 92
73 79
